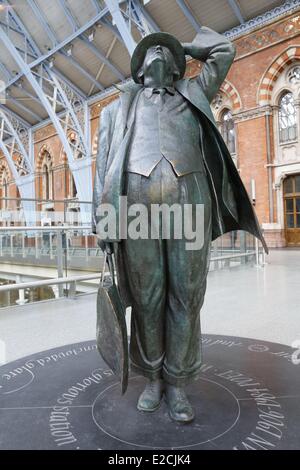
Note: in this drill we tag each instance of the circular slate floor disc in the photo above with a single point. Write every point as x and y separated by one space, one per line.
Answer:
248 397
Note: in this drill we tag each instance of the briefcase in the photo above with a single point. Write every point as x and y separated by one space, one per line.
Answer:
112 339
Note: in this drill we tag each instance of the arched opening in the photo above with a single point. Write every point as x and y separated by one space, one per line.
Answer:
287 117
4 187
291 195
18 201
227 128
74 144
72 206
47 183
4 192
72 187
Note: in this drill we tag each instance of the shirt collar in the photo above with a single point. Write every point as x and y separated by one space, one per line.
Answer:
149 91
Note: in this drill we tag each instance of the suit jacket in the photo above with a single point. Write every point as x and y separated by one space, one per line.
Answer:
232 208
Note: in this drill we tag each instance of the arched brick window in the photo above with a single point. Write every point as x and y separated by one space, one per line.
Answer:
5 191
227 129
74 142
47 177
4 187
287 118
72 186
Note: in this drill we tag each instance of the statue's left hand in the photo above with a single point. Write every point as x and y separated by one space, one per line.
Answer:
186 46
189 48
194 50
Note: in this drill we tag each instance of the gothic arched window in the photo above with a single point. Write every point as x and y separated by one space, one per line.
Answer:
5 191
46 182
228 130
287 118
73 189
47 177
74 144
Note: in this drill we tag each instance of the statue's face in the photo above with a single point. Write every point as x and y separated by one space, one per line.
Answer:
159 55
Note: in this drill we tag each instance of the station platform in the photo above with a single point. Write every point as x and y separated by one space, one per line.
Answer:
244 301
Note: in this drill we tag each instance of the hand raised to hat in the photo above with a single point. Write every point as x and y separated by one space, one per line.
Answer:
188 48
193 50
208 43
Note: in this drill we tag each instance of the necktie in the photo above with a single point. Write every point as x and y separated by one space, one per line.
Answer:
159 99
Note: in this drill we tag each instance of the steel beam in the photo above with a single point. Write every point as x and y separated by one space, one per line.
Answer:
12 134
17 147
75 25
51 34
27 93
134 13
65 79
17 25
25 109
119 20
69 15
189 15
138 6
102 58
96 5
40 58
4 70
108 25
52 95
236 10
142 12
105 22
19 86
42 20
82 70
29 54
11 113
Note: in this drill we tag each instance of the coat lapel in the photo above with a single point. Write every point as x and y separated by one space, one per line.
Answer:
128 92
193 93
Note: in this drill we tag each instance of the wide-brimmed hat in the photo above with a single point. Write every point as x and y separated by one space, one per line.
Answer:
154 39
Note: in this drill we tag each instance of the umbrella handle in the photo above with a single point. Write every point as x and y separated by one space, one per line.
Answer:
111 266
108 258
103 268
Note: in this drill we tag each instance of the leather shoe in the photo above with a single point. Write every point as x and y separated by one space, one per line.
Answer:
179 406
150 398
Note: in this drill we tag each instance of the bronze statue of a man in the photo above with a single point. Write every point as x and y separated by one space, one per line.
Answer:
158 143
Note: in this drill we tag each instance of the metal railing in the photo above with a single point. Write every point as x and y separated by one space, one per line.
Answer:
39 263
45 246
46 252
49 211
70 282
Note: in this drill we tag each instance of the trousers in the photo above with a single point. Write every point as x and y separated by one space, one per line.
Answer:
167 282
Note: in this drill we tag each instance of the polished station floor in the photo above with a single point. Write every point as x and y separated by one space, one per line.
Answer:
248 395
247 301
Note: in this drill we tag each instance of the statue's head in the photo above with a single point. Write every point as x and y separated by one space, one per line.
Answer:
159 59
158 52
